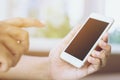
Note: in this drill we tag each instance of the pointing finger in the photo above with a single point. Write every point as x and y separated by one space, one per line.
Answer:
23 22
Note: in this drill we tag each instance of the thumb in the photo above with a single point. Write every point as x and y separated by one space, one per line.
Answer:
23 22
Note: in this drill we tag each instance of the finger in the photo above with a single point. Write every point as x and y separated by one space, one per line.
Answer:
95 64
6 59
100 55
106 47
21 36
14 48
10 44
105 37
23 22
93 60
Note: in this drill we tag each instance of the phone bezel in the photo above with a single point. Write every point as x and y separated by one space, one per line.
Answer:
75 61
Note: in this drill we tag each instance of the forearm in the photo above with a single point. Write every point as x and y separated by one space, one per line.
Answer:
29 68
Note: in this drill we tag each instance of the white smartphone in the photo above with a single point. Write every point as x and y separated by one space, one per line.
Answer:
86 39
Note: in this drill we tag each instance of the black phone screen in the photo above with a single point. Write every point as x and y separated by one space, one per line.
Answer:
86 38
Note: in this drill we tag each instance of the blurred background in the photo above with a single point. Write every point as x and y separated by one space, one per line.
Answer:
59 17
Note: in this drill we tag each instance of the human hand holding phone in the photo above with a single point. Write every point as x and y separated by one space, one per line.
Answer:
60 70
14 41
86 39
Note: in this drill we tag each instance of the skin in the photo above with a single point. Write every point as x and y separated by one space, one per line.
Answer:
61 70
14 40
51 67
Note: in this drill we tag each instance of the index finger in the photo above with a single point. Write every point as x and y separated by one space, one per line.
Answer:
23 22
105 37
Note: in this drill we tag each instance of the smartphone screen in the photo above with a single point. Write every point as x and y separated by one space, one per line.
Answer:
86 38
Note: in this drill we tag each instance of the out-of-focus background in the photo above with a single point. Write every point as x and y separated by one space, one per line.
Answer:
59 17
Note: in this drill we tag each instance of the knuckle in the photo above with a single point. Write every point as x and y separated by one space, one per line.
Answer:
102 55
97 61
108 48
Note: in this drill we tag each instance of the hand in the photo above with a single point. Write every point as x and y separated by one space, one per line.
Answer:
60 70
14 40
